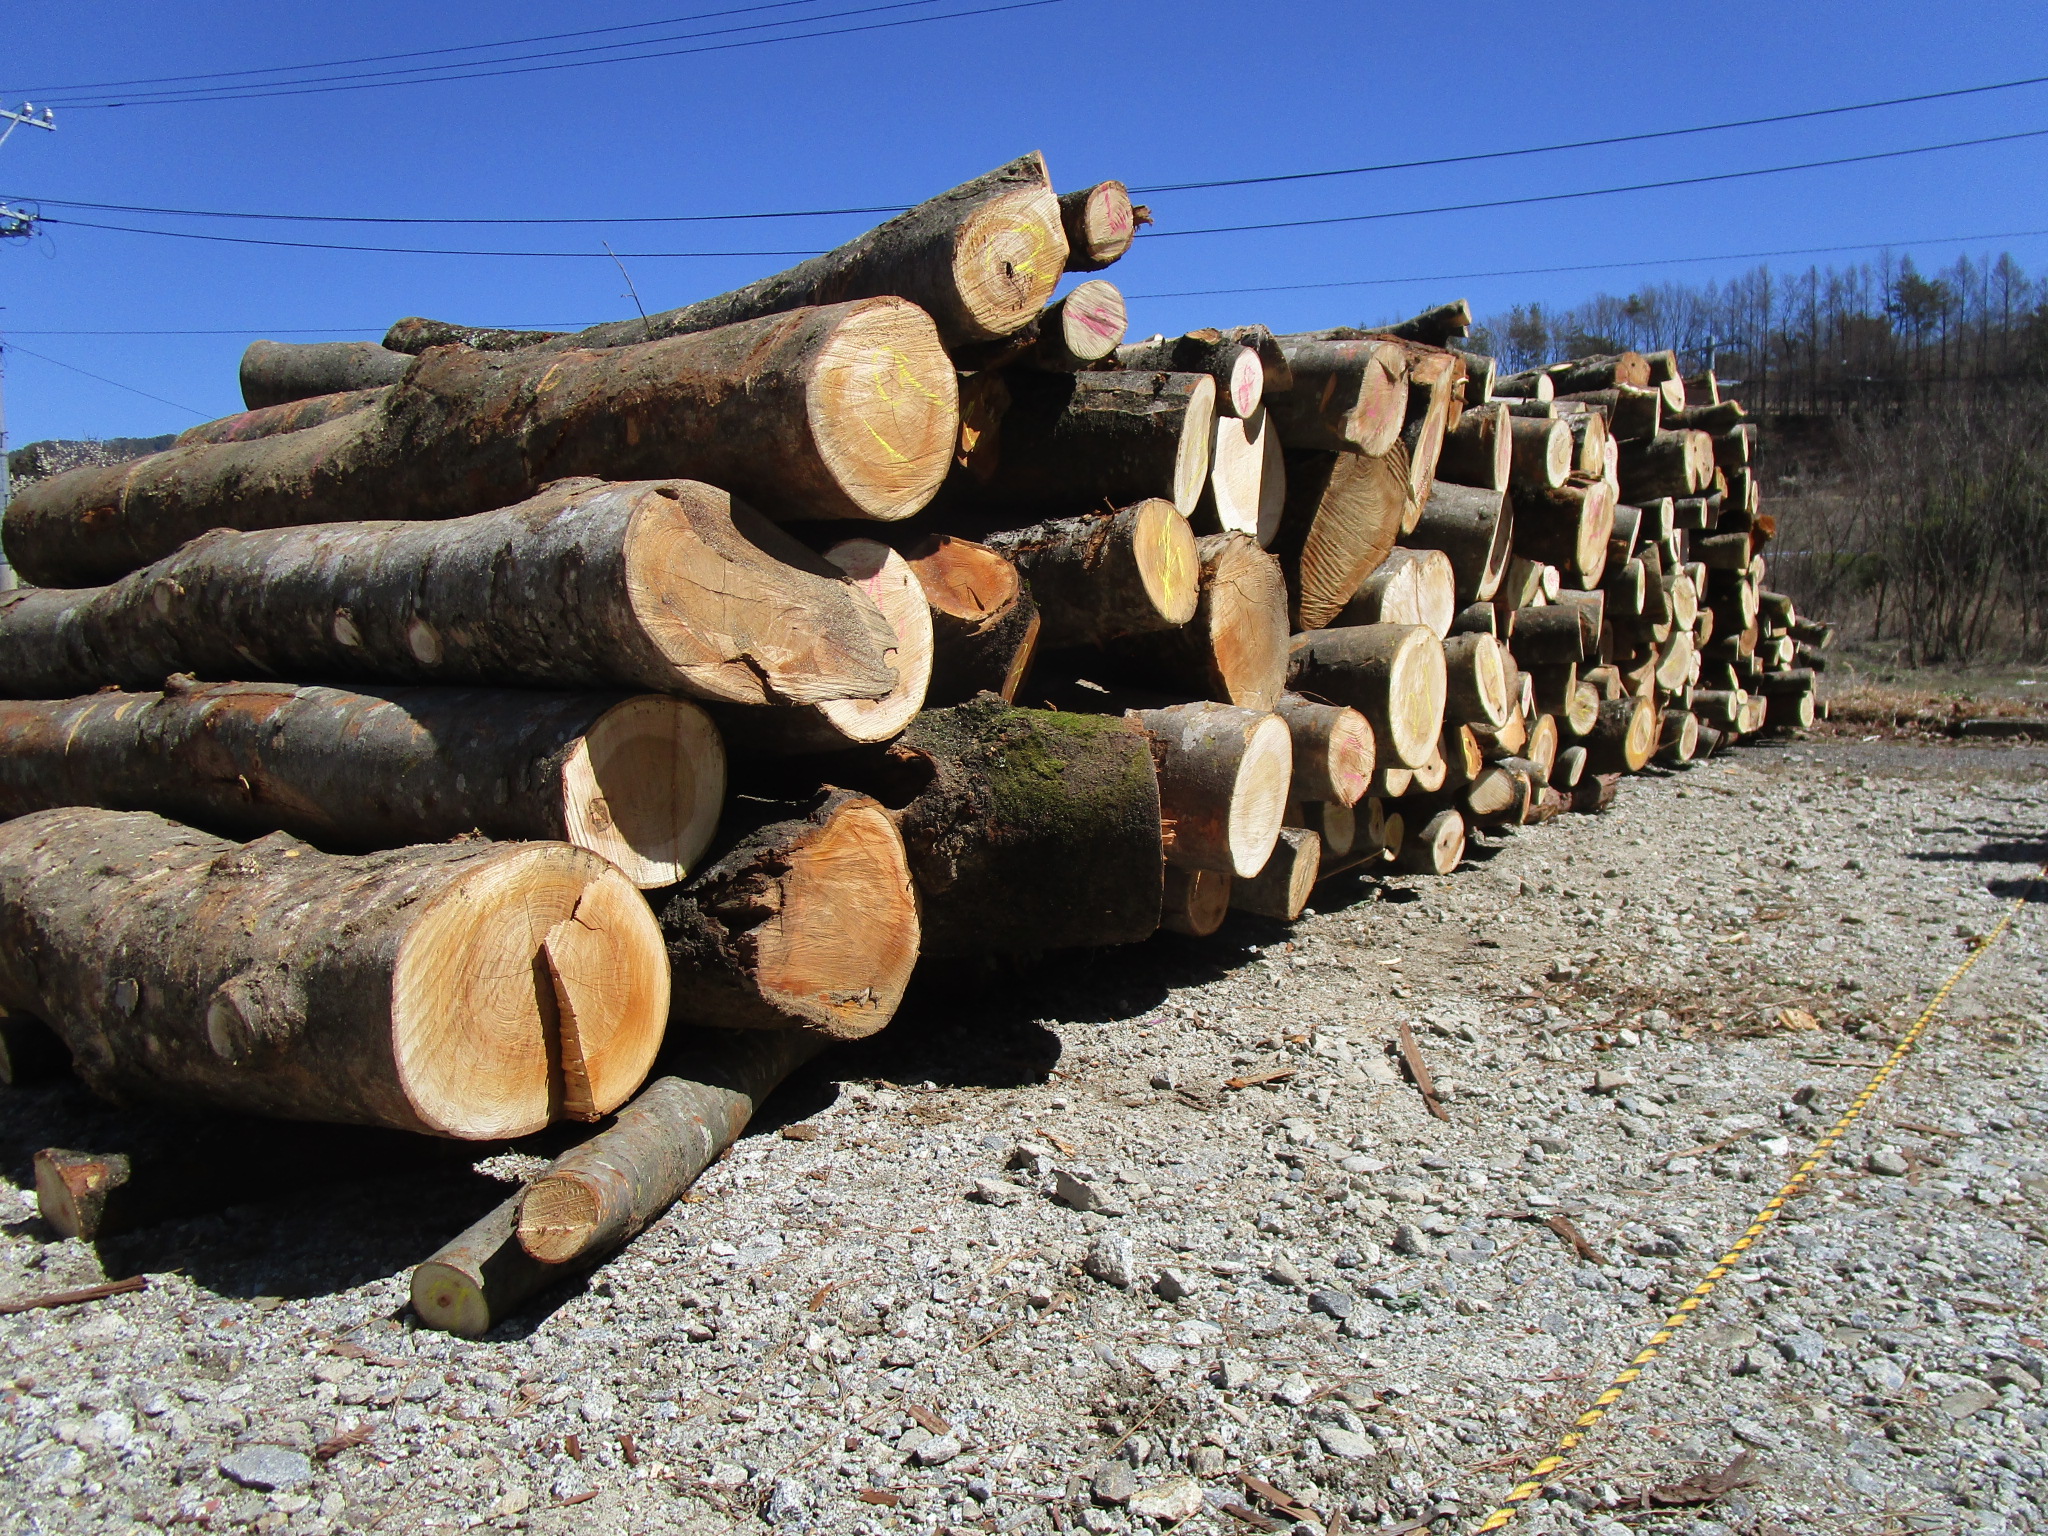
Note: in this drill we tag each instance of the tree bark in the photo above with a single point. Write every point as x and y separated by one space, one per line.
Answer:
1479 450
668 586
1223 778
1540 455
985 627
1100 225
415 335
1282 889
1334 750
420 989
277 373
1066 444
1568 527
1568 767
1437 326
1393 674
271 421
1032 829
981 259
1197 901
1234 649
1226 356
1474 528
1589 373
1632 413
1098 578
593 1199
639 780
1341 516
1437 847
1551 635
1624 738
1078 329
1678 739
1532 384
846 412
1476 685
1348 396
1668 464
808 923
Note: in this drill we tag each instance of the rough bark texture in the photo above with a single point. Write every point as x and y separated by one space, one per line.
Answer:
1588 373
1342 514
849 411
1223 777
1475 528
1437 326
415 335
1347 396
1225 356
1668 464
1624 738
1479 450
270 421
985 626
1282 889
1476 685
1393 674
1567 527
1234 649
1100 225
1075 443
639 780
1097 578
981 259
1033 830
277 373
1540 455
405 989
668 586
1334 750
808 923
1436 847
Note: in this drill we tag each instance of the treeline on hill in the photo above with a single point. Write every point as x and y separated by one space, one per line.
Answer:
1904 432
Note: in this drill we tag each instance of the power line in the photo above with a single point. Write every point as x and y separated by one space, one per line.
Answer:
13 346
1588 266
1561 197
484 73
1153 234
1185 186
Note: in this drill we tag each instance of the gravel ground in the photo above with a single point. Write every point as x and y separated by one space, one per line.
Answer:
1165 1238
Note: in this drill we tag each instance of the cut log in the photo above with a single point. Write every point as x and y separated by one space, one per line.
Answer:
1282 889
1794 711
1541 748
1197 901
1479 619
416 335
1029 830
270 421
419 989
1668 464
1476 684
1540 457
1348 396
1607 372
807 923
1735 449
985 626
1480 372
1631 413
1678 739
1569 767
1437 326
1479 450
1533 384
1226 356
981 259
596 1197
1431 777
1075 330
1589 442
639 780
1234 649
836 724
1568 527
1437 847
1223 777
1551 635
1393 836
1097 578
1552 685
277 373
1582 713
1413 586
1429 418
1393 674
1074 443
1596 792
1463 758
1337 827
1234 500
1677 663
1475 529
1501 793
1667 379
1624 738
845 412
1334 752
669 585
1342 514
1100 225
1390 782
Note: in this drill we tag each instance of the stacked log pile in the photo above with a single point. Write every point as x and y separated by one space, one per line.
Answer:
570 726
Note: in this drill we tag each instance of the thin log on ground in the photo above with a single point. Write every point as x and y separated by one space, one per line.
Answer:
1223 778
985 626
1234 649
639 779
1028 829
1596 792
475 990
805 922
1100 224
1334 751
595 1198
1282 889
1347 397
669 585
1101 577
981 259
1393 674
277 373
845 412
270 421
1197 901
1342 514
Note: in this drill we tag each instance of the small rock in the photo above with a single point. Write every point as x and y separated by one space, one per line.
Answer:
1207 1461
1169 1503
1554 1145
1756 1362
1029 1157
1115 1483
1196 1333
1749 1432
1889 1162
799 1133
1605 1081
1331 1304
1173 1285
1294 1390
1078 1193
1802 1347
570 1483
267 1468
938 1450
1964 1401
1283 1272
1110 1261
1410 1239
789 1502
1159 1359
726 1474
1166 1078
1380 1291
995 1192
1339 1441
2006 1374
514 1501
1884 1374
1233 1375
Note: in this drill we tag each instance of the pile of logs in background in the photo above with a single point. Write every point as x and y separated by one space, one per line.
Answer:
483 717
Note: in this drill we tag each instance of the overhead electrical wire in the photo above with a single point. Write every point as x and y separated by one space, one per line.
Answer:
1184 186
1154 234
103 379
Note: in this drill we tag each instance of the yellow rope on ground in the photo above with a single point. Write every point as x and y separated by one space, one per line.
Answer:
1541 1474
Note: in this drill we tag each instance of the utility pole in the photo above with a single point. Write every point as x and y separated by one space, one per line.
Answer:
14 225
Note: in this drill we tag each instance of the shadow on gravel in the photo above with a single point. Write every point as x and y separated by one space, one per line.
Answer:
2031 850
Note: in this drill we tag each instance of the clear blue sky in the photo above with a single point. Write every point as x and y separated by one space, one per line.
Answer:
1145 90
